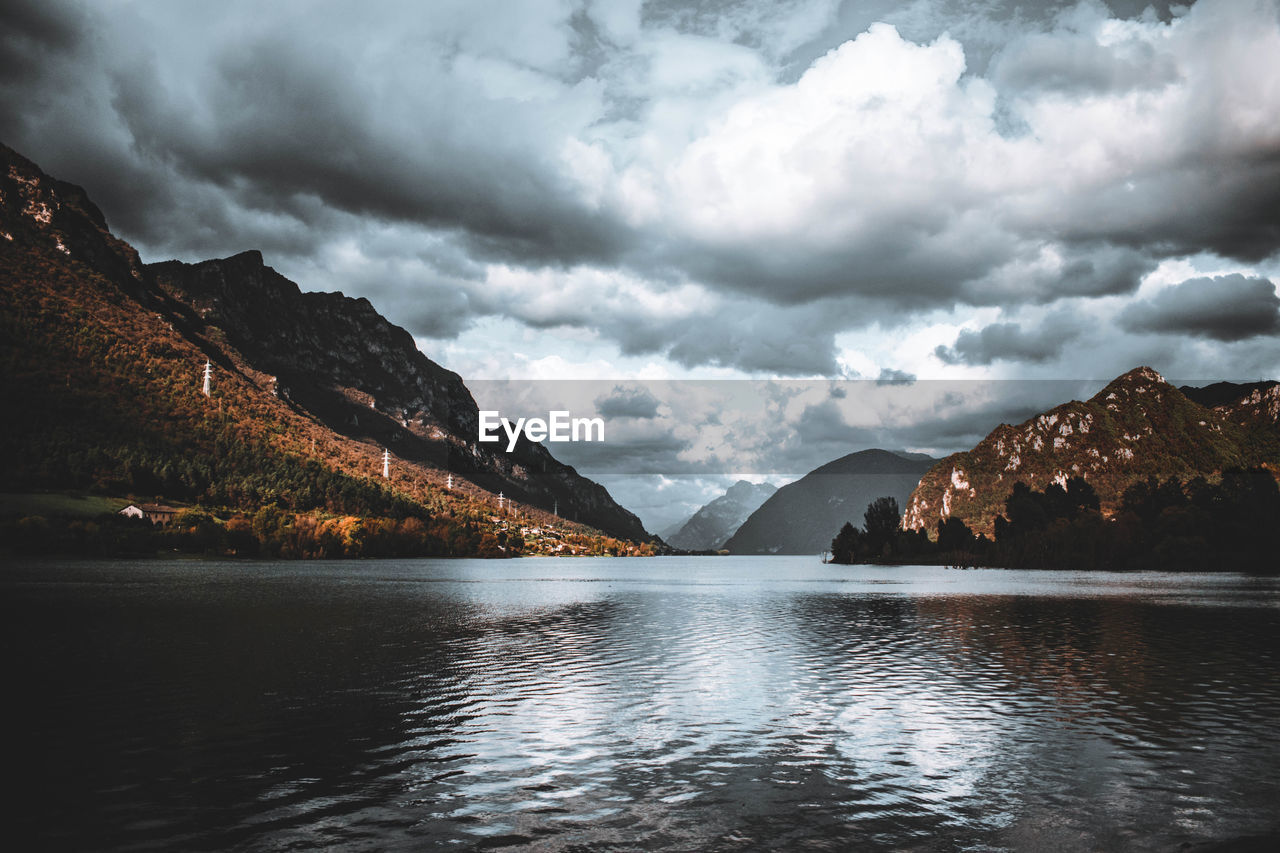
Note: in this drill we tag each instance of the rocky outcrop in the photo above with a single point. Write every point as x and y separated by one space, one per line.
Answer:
326 351
40 210
1258 408
1138 426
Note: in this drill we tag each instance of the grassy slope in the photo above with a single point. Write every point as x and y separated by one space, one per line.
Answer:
55 504
104 396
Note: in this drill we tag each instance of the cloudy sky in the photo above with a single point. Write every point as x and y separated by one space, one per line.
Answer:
633 190
673 445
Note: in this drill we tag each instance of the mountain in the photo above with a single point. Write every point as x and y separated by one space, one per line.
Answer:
665 533
340 361
1224 393
1138 426
802 516
713 524
102 358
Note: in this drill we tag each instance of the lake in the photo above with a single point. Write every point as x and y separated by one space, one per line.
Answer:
618 704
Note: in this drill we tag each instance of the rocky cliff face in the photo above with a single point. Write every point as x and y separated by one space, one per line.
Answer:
330 359
713 524
324 350
1138 426
1259 408
39 210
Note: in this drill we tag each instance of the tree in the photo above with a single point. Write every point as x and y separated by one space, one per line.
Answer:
1148 499
1081 495
1024 510
954 535
844 548
880 523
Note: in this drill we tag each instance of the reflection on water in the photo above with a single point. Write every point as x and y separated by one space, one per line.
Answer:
703 703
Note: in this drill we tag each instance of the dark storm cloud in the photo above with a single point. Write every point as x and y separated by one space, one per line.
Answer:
406 165
788 353
39 24
1075 64
961 431
291 120
633 402
984 28
1010 342
1100 270
923 257
1235 212
891 376
895 266
823 424
796 341
1225 308
65 109
31 31
278 120
443 314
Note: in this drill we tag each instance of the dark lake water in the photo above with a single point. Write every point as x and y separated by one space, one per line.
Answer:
677 704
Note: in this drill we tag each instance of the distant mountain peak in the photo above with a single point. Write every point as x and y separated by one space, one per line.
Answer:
1225 396
1149 374
253 257
38 209
874 461
743 488
1140 380
712 524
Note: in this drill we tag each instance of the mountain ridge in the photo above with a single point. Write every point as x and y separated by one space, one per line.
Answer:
337 358
1137 426
105 352
717 520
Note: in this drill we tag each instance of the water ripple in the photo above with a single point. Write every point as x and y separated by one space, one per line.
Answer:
713 704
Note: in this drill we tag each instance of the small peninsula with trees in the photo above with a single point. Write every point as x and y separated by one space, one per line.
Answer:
1162 525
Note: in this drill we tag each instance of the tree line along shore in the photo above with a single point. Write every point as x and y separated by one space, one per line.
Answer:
1166 525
